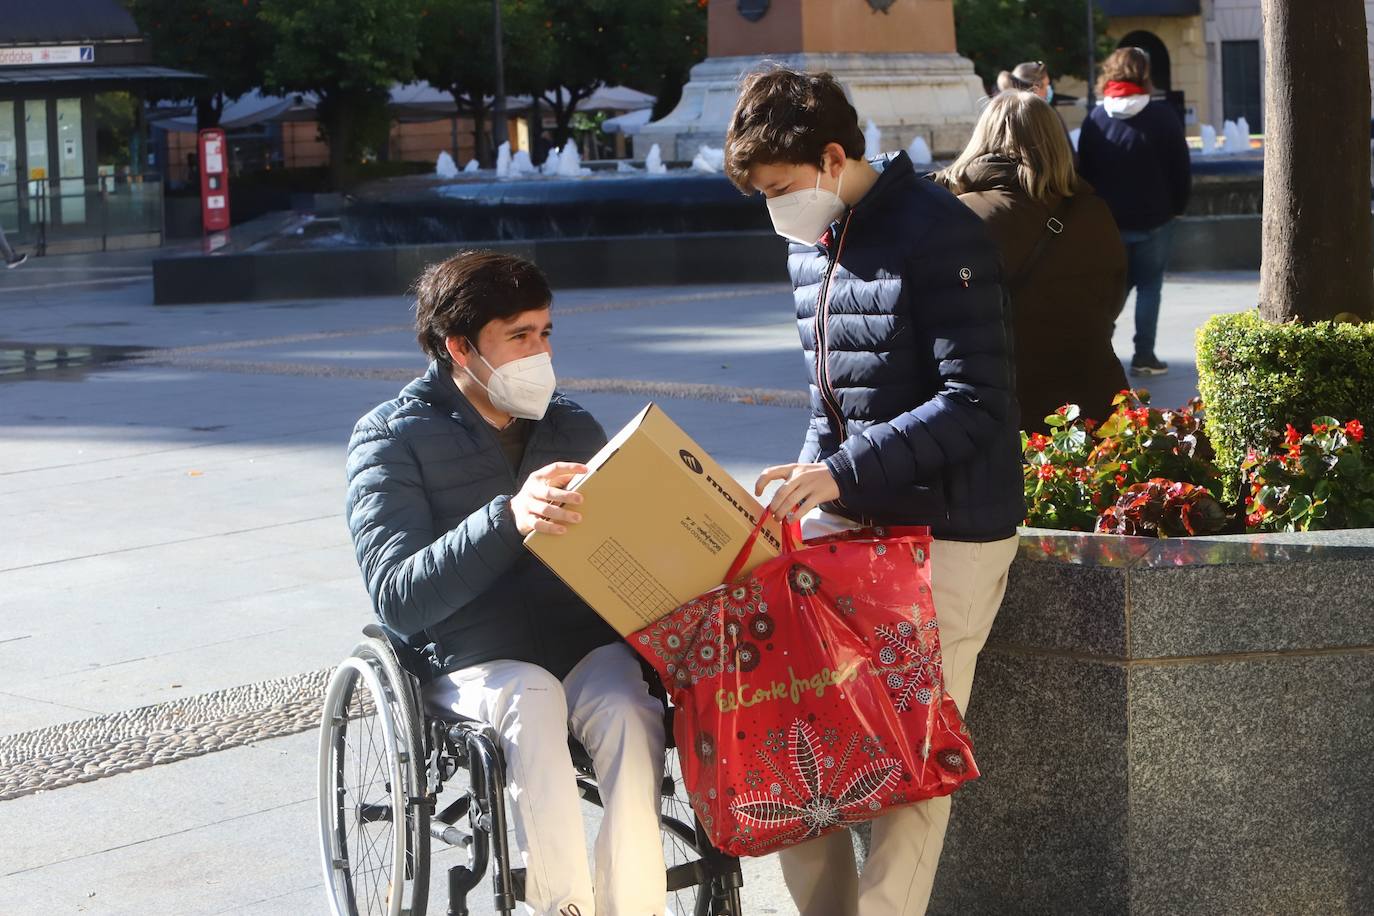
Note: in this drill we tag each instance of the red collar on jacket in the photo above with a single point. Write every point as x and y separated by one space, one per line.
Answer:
1117 89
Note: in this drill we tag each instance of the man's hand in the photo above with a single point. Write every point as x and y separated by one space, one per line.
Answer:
808 485
543 505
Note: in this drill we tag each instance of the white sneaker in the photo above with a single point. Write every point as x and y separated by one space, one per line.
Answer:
16 262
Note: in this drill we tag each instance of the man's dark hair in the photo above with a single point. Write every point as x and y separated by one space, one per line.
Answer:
788 116
458 297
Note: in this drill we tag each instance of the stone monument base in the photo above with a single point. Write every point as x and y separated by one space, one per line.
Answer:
935 96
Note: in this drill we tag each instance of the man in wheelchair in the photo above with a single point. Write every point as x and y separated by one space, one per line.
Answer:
444 482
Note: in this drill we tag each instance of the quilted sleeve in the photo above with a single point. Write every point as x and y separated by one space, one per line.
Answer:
417 579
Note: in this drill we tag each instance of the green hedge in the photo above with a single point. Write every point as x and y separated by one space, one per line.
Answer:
1255 378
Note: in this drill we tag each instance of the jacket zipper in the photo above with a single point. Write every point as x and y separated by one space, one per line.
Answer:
822 319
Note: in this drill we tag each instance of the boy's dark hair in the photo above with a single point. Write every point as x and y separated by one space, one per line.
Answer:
458 297
788 116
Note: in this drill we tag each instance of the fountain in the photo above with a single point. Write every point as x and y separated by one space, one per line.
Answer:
1235 141
873 139
709 160
550 166
1209 140
653 163
445 167
472 168
520 163
570 162
919 151
503 161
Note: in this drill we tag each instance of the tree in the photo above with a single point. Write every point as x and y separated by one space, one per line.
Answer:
665 39
1317 262
457 39
349 53
227 41
999 34
648 44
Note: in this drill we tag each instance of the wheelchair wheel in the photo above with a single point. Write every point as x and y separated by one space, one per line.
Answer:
374 817
699 877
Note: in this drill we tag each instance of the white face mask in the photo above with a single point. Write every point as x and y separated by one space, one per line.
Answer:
1049 94
804 215
522 387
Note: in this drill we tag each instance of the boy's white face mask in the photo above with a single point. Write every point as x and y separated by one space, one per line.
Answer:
804 215
521 387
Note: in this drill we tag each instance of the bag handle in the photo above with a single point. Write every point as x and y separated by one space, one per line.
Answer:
791 540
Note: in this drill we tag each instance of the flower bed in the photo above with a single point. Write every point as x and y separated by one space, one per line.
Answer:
1152 472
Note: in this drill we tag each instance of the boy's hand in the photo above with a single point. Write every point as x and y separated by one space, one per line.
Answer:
808 485
536 506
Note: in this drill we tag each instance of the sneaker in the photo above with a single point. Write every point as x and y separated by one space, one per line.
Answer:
16 262
1148 365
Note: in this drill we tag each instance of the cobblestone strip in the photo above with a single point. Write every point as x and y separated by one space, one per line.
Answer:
89 749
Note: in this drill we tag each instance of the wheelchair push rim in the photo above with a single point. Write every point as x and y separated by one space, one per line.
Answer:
364 865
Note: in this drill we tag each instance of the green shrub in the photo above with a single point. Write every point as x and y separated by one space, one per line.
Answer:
1256 378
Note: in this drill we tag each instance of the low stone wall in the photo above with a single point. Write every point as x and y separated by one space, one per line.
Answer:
1200 244
328 273
1173 727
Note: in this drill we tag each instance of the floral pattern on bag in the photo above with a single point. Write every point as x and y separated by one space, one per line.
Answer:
909 663
815 793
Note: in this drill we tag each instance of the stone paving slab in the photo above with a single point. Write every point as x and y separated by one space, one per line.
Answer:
176 529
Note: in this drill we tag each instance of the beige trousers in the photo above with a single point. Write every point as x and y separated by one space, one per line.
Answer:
968 581
605 704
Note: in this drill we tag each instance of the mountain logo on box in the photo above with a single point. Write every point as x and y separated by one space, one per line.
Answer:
691 461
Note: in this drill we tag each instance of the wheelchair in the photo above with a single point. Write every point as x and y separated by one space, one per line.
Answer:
384 762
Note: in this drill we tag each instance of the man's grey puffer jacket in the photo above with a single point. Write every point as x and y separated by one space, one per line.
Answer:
428 506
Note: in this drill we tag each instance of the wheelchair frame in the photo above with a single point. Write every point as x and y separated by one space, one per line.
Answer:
424 752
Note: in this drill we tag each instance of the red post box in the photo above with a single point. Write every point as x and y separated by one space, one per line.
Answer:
214 180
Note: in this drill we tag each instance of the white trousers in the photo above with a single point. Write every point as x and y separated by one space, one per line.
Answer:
606 705
967 582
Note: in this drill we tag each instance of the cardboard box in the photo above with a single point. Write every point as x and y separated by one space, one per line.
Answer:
661 524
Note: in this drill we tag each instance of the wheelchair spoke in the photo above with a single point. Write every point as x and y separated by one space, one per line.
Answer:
365 806
375 859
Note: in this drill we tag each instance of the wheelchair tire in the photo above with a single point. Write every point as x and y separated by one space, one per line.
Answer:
685 849
372 779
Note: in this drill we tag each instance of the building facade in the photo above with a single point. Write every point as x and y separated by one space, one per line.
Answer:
1210 50
71 164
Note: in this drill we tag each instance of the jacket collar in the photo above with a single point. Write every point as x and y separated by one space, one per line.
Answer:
991 173
894 170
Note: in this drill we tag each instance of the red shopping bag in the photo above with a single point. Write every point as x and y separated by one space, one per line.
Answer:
809 696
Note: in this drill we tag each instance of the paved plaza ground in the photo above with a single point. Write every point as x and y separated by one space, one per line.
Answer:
176 575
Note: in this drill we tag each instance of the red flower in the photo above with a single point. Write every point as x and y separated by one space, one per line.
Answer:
1292 436
1355 430
1046 471
1038 442
1119 480
1319 428
1253 521
1063 411
1125 467
1090 424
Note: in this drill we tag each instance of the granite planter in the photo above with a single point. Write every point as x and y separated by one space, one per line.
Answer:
1173 727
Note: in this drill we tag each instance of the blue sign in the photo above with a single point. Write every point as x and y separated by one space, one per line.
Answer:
87 54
